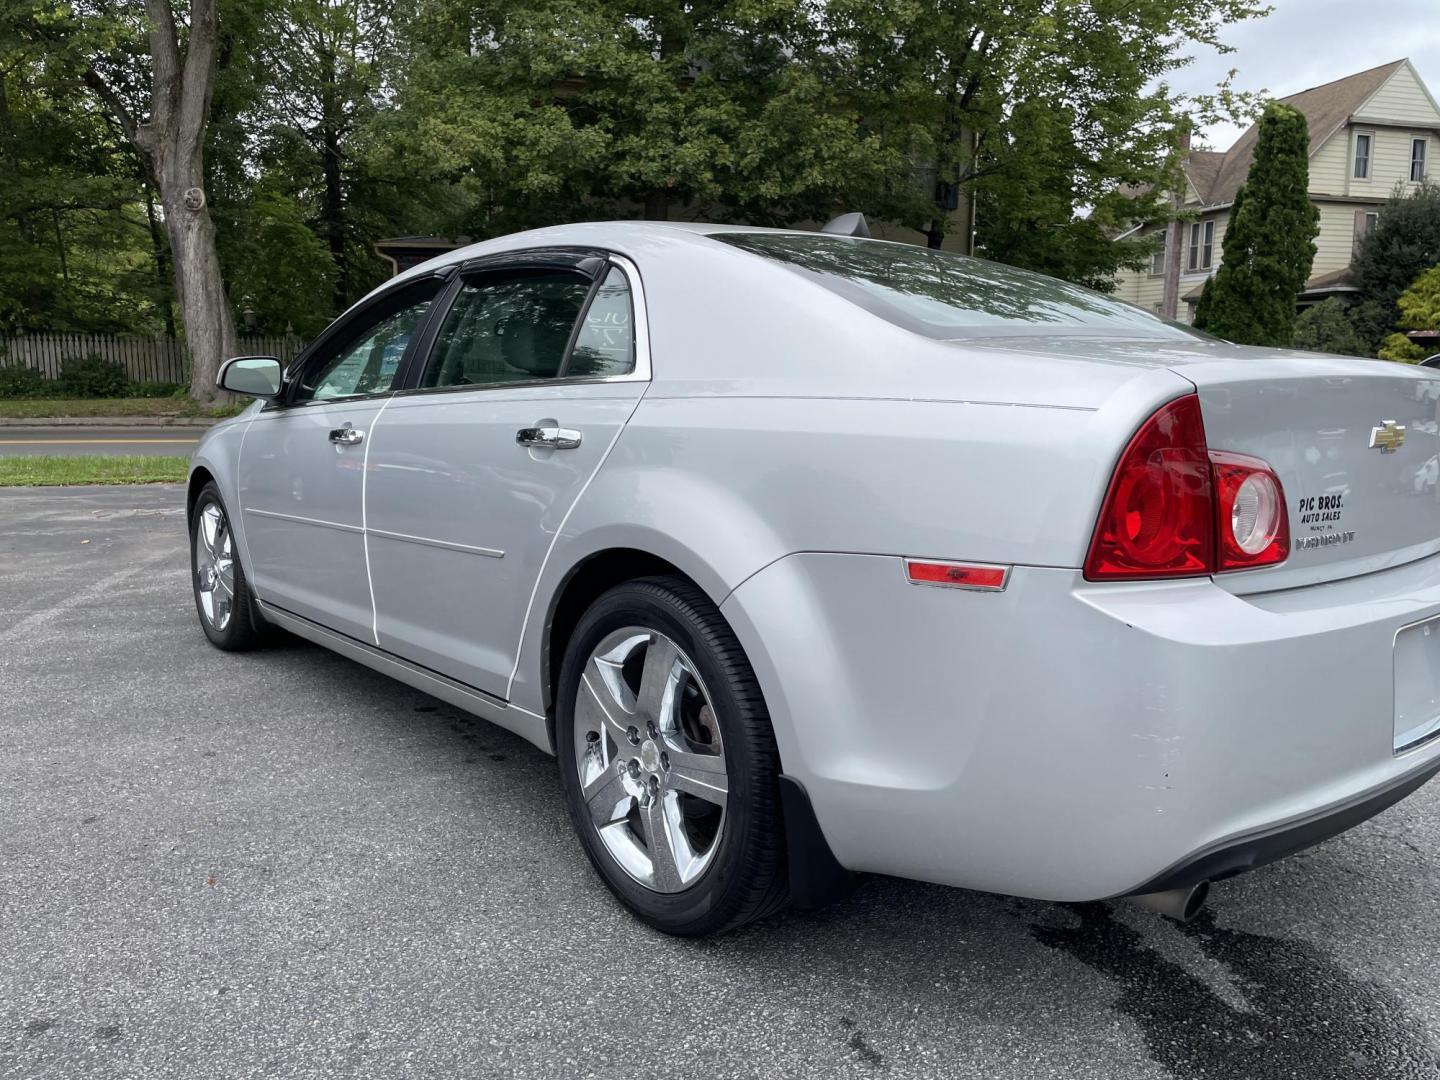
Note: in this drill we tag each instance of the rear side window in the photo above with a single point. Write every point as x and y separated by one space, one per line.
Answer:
503 328
943 295
605 343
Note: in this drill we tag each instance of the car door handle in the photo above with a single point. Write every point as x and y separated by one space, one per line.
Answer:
347 435
553 438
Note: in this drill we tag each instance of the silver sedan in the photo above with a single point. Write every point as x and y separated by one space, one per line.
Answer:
811 555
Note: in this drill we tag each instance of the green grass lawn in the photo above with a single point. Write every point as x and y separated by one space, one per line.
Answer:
38 471
24 408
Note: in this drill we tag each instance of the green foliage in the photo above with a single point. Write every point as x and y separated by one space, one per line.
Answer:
1270 242
91 377
1404 243
1419 310
280 275
1326 327
21 381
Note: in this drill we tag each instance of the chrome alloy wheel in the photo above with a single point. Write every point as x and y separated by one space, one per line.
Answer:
215 566
651 759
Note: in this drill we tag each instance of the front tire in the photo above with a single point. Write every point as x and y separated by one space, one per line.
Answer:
668 760
222 594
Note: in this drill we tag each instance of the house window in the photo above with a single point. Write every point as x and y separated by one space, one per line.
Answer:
1202 245
1417 160
1363 147
1157 260
1372 219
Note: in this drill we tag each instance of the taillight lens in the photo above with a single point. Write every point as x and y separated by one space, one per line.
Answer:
1158 516
1251 520
1175 508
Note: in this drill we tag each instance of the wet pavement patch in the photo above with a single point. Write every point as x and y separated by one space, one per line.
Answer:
1305 1017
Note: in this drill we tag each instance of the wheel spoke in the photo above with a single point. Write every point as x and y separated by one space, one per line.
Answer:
608 799
661 842
658 680
210 526
703 783
594 713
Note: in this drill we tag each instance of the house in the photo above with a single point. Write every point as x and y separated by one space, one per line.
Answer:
1369 132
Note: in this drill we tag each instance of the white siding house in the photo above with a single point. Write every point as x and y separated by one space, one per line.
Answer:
1369 133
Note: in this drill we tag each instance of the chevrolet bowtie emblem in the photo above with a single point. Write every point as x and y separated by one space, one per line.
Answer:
1388 437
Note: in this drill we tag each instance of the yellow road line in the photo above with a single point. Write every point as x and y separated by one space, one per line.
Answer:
94 442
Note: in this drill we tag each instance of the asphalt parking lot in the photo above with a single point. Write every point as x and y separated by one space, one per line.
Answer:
283 865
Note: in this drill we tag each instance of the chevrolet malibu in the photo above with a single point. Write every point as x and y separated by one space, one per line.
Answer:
810 555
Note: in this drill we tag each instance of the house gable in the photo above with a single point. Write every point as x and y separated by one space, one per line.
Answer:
1402 99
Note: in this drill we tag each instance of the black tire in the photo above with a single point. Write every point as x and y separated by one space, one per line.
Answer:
244 627
746 878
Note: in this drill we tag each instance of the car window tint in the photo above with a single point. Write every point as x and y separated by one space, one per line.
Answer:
364 360
944 295
605 343
507 329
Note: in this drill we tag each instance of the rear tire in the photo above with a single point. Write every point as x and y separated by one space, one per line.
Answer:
668 760
222 594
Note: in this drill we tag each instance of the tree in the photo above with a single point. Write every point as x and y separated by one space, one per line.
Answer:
956 85
533 114
1326 327
159 96
1419 310
1404 243
1270 242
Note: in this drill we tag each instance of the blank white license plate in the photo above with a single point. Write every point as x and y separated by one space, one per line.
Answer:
1417 684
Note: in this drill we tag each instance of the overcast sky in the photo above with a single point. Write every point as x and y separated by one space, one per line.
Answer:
1304 43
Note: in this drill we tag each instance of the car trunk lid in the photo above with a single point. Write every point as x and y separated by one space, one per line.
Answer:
1355 446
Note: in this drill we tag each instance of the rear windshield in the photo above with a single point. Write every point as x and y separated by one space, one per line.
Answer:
942 295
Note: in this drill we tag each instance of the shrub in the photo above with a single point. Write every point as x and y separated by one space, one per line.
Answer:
19 381
92 377
1326 327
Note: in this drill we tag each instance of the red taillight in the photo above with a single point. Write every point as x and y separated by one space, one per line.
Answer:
1158 518
1250 515
1177 509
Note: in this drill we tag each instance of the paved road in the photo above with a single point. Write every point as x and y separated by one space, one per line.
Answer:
76 441
283 865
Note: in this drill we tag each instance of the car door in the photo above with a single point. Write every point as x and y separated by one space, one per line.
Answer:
302 464
534 370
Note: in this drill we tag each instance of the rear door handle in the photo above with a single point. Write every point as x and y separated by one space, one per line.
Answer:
553 438
347 435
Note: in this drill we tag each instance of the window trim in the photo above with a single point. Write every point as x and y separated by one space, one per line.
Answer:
342 325
1369 156
1424 159
538 259
1201 254
1160 254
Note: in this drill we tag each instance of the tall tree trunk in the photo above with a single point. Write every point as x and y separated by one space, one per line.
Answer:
204 308
172 143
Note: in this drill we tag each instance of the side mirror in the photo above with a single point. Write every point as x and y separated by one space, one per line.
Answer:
255 376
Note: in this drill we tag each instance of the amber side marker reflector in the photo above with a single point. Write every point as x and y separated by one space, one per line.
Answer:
951 575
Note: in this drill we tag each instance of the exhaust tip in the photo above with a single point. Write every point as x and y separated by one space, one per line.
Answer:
1181 904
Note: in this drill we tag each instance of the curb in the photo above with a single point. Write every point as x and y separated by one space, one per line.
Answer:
107 421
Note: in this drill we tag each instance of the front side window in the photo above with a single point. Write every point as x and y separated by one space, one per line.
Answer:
507 327
1363 143
366 356
946 296
1417 160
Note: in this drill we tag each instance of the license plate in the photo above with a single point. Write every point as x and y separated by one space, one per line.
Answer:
1417 684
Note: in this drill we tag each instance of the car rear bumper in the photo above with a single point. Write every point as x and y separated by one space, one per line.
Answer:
1072 741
